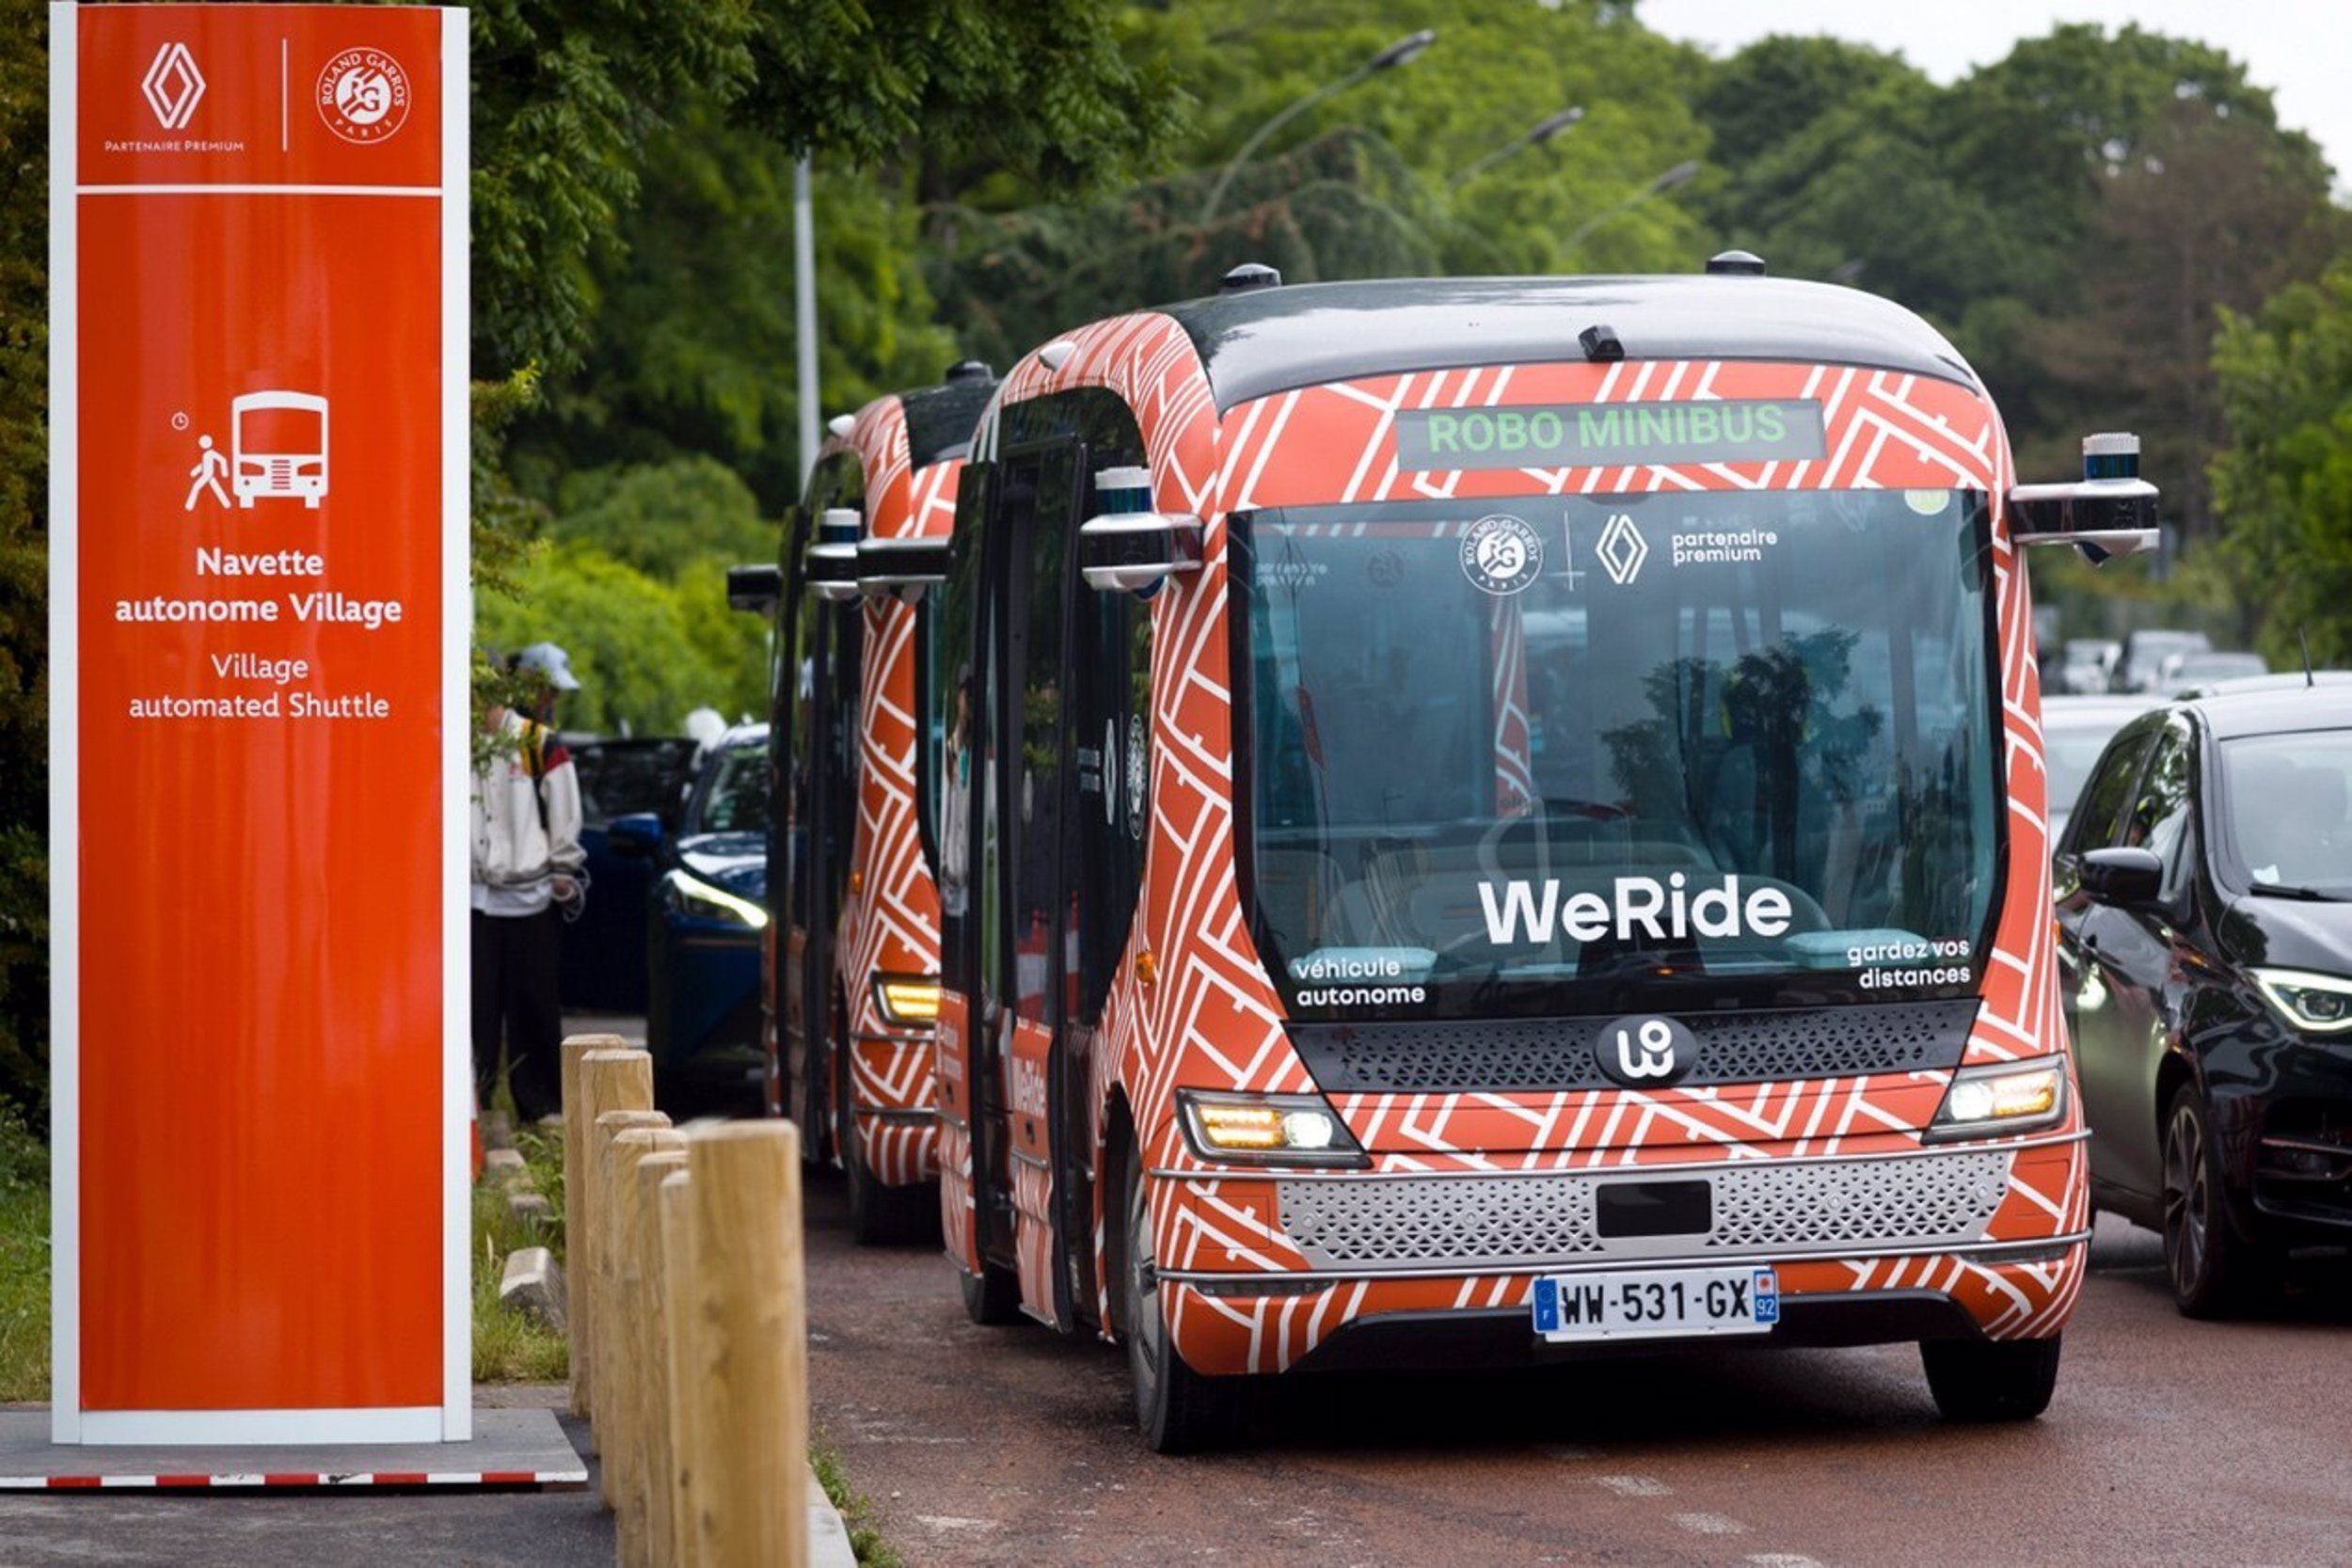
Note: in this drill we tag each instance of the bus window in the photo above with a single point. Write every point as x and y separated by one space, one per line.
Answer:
1810 719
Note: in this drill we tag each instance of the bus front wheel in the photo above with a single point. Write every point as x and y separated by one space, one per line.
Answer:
1177 1410
1990 1380
878 1216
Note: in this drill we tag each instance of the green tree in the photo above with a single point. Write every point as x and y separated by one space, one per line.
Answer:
1341 207
23 560
2283 483
2072 215
1780 87
1496 68
647 652
694 330
661 518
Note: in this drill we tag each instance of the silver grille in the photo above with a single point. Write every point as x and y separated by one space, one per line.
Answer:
1469 1221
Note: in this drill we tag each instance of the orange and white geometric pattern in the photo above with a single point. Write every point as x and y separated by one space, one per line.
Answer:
1210 1017
890 909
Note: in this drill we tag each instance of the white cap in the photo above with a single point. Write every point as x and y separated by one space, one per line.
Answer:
550 661
705 726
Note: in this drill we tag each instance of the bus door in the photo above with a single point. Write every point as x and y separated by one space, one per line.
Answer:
1021 753
813 740
832 729
1108 712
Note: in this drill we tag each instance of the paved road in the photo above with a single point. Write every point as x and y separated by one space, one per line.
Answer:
2169 1441
446 1529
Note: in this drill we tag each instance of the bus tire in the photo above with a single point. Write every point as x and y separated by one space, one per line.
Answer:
880 1215
992 1297
1990 1380
1177 1410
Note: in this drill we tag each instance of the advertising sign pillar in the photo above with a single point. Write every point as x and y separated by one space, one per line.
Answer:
258 723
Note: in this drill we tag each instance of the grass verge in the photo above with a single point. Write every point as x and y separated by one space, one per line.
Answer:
857 1513
23 1260
509 1347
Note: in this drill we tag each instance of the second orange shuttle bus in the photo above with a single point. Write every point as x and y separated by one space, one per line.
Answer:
853 970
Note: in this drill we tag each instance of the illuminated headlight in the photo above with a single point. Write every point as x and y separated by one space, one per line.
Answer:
2321 1003
2009 1096
713 902
1267 1130
906 1001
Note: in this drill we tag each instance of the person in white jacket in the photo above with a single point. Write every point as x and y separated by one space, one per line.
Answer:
527 862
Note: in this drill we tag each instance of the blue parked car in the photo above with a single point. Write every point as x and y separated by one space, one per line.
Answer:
707 915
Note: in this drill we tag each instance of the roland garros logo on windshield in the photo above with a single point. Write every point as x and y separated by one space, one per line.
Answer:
363 95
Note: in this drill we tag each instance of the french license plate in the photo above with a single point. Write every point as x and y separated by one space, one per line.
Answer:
1651 1303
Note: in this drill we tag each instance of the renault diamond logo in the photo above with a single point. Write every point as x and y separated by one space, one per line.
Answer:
172 85
1622 549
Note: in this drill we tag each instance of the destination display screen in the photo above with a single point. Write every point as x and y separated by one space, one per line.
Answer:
1609 434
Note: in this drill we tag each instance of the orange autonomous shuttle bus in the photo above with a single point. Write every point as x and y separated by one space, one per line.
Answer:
1496 818
852 975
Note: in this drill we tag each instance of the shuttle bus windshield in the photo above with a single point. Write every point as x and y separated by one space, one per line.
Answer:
1546 754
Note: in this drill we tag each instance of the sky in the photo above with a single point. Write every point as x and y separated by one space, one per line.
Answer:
2300 49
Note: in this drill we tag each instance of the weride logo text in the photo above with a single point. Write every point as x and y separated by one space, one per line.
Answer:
1521 912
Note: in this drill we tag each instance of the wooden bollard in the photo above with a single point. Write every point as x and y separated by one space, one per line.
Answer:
596 1081
652 1458
749 1370
623 1266
675 1219
612 1343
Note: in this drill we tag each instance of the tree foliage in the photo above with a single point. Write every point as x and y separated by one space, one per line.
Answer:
647 651
1341 207
695 349
2074 214
2282 483
23 560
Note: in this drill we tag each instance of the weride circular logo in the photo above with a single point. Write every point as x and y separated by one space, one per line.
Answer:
1501 554
363 95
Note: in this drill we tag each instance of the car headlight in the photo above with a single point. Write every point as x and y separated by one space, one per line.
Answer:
713 902
1266 1129
907 1001
2321 1003
2001 1099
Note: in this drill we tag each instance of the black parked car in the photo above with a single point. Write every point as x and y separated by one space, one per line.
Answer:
604 950
2204 916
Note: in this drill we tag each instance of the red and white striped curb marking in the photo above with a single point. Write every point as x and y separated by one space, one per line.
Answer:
300 1477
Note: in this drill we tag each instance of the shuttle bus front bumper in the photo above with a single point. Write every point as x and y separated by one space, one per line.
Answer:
1281 1271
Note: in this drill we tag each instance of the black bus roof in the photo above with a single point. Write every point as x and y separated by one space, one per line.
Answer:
1263 340
940 418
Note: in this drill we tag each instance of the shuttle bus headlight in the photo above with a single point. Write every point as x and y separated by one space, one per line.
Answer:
2002 1098
907 1001
1266 1129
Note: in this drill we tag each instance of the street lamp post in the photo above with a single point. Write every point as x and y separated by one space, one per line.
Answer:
1400 52
1665 180
804 311
1535 135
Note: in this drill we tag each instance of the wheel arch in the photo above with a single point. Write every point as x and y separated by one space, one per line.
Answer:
1117 1141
